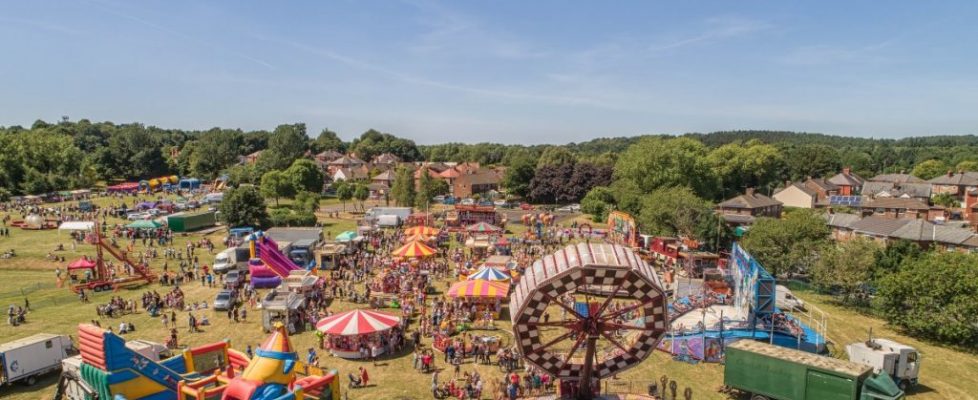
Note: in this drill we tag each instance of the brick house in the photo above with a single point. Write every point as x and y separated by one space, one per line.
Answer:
743 209
849 183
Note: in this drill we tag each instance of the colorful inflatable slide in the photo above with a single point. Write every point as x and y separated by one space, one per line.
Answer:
212 371
267 265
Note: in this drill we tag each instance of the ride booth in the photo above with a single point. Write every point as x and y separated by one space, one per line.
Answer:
348 332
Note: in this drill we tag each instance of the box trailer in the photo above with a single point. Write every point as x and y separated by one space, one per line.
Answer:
25 359
191 222
773 372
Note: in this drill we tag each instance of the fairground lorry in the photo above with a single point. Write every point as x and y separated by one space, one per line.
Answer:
769 372
900 361
24 360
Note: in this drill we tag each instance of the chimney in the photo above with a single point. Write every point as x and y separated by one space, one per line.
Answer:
750 191
950 172
846 170
787 183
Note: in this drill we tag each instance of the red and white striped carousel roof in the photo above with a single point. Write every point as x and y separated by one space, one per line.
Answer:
357 322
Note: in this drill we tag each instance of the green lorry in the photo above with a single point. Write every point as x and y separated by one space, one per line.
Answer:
191 222
772 372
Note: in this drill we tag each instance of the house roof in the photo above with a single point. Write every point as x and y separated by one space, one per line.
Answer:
450 173
879 226
822 184
896 202
959 179
378 186
896 178
917 230
800 187
347 160
352 173
847 179
738 218
481 177
841 220
751 200
890 189
386 158
385 176
329 155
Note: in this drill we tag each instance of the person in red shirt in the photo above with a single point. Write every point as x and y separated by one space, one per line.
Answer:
363 376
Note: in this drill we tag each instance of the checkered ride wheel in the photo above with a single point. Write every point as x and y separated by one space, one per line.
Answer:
573 270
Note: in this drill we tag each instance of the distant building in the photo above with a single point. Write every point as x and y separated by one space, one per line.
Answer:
250 158
848 182
743 209
895 208
906 190
884 230
796 195
897 178
954 184
351 174
823 189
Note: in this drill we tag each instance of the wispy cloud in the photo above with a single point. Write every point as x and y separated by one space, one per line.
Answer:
455 33
40 24
181 35
716 29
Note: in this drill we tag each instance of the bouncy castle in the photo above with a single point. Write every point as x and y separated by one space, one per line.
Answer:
114 371
268 265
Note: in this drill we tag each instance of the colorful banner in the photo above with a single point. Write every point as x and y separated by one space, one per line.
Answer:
622 228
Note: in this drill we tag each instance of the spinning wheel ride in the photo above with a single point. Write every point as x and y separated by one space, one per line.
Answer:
577 270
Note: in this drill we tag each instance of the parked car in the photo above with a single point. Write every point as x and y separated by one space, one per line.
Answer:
570 208
234 279
468 202
223 301
138 215
526 206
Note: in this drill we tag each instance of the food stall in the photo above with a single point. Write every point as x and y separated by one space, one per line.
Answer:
484 295
285 307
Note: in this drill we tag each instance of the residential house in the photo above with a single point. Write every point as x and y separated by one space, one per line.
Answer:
954 184
385 178
472 181
884 230
743 209
905 190
385 161
822 188
323 159
351 174
796 195
848 182
346 162
897 178
895 208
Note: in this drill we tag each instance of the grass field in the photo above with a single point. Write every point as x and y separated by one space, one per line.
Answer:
946 373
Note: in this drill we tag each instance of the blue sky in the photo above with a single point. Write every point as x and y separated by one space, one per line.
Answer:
505 71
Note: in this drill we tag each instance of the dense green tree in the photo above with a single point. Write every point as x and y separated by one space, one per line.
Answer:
306 201
305 176
673 211
930 169
344 192
889 258
713 233
846 269
812 160
277 184
286 144
243 174
402 189
213 152
372 143
656 162
933 296
361 193
628 196
556 156
424 193
328 140
754 165
244 206
967 166
519 173
945 200
788 245
598 203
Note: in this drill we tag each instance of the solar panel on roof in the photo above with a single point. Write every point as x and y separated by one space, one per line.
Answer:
851 201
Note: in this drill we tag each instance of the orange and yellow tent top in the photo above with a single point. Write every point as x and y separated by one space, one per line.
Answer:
416 238
422 230
415 249
479 288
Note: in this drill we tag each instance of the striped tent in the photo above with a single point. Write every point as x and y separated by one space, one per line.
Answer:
422 230
479 288
415 249
483 227
416 238
357 322
489 274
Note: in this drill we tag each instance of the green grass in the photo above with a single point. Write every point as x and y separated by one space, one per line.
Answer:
947 373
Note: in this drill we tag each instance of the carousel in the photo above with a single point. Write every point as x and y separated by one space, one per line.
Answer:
359 333
489 274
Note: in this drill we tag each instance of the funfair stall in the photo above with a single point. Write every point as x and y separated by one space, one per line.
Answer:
359 333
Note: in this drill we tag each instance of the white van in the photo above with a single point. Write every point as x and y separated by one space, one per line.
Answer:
25 359
787 301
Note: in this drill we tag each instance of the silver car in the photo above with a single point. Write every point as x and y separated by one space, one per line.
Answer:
223 301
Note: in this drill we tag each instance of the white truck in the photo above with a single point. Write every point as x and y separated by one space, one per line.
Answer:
23 360
786 300
900 361
235 258
387 216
